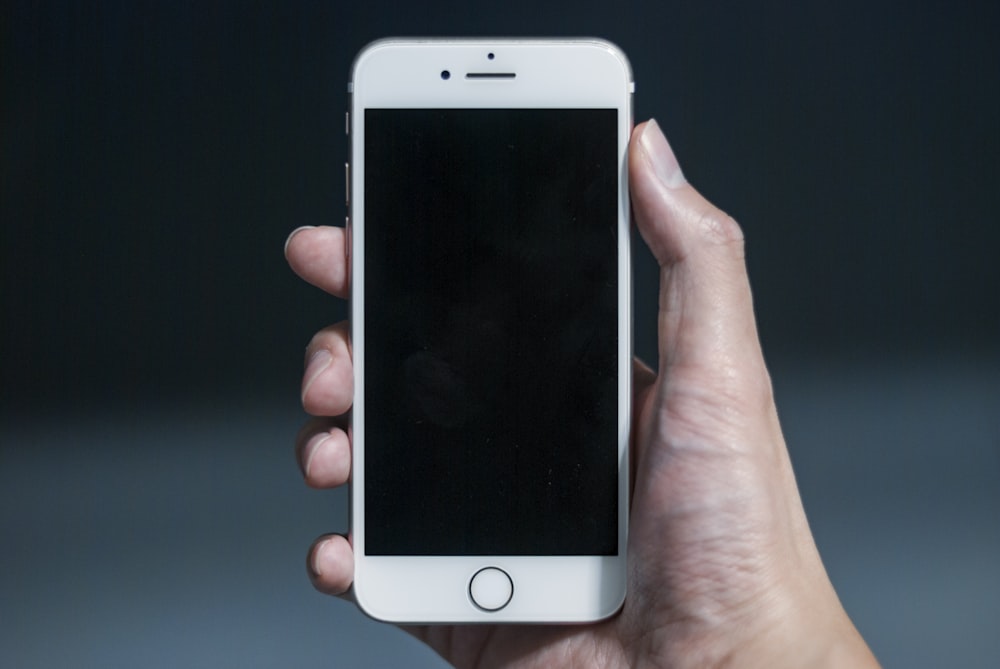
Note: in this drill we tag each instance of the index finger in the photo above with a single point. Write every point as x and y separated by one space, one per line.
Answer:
319 255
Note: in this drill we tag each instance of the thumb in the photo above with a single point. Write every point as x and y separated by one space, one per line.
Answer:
706 322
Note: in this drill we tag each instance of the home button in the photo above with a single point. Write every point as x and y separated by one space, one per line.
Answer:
491 589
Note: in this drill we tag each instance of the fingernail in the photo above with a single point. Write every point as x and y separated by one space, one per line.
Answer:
310 450
295 232
661 156
317 364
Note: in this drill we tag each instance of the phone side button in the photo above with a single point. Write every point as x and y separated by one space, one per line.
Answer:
491 589
347 236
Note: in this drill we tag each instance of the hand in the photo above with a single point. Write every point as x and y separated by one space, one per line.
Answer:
723 570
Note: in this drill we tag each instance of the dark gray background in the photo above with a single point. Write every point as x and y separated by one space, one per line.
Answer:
155 156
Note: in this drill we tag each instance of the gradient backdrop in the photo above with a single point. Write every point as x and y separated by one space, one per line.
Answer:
155 156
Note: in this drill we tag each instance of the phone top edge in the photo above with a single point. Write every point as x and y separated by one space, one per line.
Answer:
390 42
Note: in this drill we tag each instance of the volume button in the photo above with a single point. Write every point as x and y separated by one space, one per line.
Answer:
347 123
347 236
347 184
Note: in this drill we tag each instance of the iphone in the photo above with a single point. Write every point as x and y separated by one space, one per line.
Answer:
490 329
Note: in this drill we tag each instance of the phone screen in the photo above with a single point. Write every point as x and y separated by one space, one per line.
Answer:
491 331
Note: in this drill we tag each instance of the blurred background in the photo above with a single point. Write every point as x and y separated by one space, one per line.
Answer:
156 155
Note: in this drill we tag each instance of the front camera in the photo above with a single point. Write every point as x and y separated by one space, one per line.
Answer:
446 75
490 55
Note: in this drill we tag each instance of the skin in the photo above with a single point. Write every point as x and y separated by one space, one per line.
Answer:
723 569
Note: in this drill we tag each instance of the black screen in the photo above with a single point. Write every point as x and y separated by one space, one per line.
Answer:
491 331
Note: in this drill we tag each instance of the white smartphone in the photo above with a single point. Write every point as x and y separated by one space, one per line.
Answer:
491 329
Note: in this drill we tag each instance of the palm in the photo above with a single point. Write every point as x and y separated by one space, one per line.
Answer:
521 646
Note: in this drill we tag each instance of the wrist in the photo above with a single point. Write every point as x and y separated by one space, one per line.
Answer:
819 636
811 630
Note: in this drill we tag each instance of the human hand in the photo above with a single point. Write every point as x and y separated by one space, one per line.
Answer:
723 570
